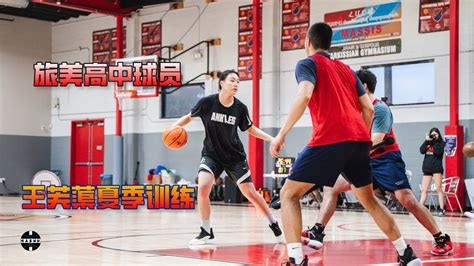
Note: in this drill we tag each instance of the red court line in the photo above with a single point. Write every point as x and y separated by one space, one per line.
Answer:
344 252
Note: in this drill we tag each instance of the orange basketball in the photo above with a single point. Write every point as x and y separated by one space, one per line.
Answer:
468 149
175 137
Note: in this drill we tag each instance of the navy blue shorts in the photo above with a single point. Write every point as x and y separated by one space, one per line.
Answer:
321 165
388 172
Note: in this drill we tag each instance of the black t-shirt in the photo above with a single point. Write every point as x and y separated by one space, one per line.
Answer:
222 142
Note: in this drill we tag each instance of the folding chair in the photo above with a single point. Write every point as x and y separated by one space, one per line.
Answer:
450 189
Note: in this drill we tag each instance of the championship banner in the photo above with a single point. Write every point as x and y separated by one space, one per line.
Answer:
360 33
295 11
366 49
245 42
101 57
434 15
151 38
101 41
246 17
293 36
295 18
364 15
245 67
114 42
152 50
104 45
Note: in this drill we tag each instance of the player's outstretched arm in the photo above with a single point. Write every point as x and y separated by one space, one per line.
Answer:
258 133
184 120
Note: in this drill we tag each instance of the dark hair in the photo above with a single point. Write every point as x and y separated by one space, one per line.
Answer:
224 75
435 129
367 77
320 36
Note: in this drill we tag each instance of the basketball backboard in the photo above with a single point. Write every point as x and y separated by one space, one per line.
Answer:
46 178
128 90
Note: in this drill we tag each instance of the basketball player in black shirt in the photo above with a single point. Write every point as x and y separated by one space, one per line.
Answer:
221 115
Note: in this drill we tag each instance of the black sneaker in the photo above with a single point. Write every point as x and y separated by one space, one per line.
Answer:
277 231
202 238
275 203
442 213
408 258
313 238
291 262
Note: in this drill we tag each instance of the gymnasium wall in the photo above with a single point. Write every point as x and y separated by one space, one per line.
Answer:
25 143
142 123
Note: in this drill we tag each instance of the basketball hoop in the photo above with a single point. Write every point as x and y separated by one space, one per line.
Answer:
121 95
45 178
128 90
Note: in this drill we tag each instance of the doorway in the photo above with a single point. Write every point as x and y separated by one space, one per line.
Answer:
87 152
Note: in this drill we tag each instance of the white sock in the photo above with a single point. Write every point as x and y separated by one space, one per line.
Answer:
206 224
295 251
400 245
270 218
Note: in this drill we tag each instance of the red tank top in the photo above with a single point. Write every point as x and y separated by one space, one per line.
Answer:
334 105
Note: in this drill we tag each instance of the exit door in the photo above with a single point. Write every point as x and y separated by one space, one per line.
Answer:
87 152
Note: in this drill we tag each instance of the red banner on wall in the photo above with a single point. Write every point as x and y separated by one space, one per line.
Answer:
101 57
245 67
152 50
101 41
293 36
367 32
104 45
246 17
364 15
434 15
151 38
295 24
114 42
245 41
295 11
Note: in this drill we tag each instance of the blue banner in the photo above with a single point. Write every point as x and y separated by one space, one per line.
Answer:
451 145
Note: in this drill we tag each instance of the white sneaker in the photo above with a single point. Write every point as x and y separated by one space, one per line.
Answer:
203 237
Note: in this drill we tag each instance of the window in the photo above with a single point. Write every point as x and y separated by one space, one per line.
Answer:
380 87
405 83
180 101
